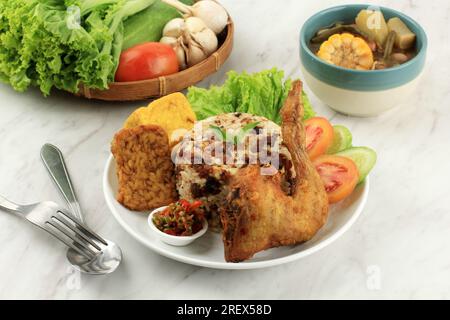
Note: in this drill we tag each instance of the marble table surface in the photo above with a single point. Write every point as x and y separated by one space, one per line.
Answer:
399 248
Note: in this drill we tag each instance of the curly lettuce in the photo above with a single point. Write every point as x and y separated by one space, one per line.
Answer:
57 43
262 93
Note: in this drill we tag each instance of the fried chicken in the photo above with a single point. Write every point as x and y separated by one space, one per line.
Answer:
144 168
259 213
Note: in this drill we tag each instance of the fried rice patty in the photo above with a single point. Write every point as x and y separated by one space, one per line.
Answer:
144 168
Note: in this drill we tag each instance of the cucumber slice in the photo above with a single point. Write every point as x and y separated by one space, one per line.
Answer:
364 158
342 140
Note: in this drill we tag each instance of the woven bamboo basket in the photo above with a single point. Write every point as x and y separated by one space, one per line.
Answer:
154 88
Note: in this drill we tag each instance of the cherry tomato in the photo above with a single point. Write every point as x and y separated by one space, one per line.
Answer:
339 175
319 136
146 61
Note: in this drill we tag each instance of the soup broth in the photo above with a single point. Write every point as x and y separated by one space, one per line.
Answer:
353 45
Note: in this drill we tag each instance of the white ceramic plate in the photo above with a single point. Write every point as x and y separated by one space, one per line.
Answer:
208 250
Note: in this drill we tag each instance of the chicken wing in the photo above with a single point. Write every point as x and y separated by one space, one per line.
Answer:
259 214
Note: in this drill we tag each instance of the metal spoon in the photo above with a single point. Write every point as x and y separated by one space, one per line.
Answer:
110 255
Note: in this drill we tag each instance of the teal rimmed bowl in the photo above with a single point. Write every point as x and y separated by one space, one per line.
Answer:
355 92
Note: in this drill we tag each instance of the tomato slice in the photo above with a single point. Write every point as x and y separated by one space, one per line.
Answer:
319 136
339 175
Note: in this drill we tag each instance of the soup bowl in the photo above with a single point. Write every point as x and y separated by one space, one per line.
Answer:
355 92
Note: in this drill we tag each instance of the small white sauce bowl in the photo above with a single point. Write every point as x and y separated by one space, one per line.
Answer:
177 241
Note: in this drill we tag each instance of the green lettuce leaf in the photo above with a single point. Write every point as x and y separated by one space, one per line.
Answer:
262 94
307 106
40 47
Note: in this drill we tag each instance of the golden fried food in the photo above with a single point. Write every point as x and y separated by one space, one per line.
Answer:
144 168
259 214
173 113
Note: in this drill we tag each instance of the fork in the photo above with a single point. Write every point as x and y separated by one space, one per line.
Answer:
60 224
